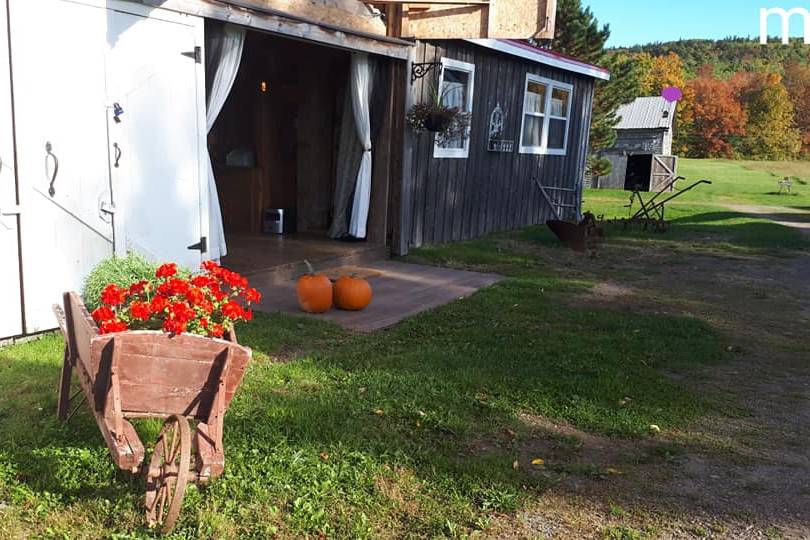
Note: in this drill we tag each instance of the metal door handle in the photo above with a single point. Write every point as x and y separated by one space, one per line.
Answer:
49 151
117 154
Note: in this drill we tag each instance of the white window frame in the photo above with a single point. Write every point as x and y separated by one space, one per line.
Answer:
550 85
458 65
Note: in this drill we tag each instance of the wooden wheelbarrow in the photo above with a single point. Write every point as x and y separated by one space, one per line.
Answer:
184 379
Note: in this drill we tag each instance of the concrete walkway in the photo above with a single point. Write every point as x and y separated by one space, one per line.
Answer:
401 290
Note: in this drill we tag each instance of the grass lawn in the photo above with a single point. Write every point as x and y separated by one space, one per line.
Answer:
362 435
410 432
702 215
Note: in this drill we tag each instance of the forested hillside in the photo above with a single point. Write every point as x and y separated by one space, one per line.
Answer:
741 99
727 56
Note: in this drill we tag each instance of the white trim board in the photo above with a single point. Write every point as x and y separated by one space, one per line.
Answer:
547 117
458 65
540 57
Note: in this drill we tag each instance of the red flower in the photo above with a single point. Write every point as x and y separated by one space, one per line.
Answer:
216 292
173 326
233 279
211 267
232 310
206 306
201 281
108 327
217 330
247 314
159 304
252 295
139 287
195 296
173 287
203 323
103 314
181 312
140 311
166 270
112 295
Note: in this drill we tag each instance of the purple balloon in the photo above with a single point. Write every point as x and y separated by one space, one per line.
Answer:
672 93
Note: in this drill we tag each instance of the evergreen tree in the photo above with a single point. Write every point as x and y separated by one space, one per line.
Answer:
579 34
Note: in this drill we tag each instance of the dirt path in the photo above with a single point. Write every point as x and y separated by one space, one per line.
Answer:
744 473
789 217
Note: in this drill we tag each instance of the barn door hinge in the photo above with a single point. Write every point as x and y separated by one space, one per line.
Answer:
201 246
196 54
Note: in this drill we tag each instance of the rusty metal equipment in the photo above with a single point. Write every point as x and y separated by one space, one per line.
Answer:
650 216
582 236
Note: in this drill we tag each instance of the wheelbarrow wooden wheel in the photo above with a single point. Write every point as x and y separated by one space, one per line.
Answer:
168 473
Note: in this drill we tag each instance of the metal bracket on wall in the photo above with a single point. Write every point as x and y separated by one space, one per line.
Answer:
420 69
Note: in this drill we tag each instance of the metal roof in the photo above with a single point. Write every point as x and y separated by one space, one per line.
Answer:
647 113
523 49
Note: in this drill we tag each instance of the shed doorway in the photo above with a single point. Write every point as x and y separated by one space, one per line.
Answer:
275 147
637 177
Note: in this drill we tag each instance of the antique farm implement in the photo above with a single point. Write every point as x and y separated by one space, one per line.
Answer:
184 379
582 236
650 215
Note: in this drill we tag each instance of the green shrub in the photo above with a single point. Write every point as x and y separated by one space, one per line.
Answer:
123 271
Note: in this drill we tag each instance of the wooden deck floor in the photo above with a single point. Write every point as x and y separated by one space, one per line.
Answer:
401 290
257 254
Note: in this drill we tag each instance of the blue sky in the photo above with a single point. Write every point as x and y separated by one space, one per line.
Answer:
635 22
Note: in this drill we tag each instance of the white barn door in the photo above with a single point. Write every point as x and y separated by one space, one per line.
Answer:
154 75
10 305
57 53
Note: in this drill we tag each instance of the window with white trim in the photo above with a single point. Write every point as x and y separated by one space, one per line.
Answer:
546 115
456 84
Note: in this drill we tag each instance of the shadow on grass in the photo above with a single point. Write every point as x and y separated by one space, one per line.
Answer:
725 230
363 432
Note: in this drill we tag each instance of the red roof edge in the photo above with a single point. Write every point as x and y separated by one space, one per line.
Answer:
553 54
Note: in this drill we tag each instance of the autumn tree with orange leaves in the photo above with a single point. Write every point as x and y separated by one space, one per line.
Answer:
717 118
770 130
797 83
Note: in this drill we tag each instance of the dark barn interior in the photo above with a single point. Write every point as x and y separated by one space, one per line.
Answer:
275 146
639 168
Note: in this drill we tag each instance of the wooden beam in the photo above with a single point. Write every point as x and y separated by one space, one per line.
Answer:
276 22
437 2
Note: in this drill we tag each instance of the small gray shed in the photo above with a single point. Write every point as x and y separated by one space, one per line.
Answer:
641 156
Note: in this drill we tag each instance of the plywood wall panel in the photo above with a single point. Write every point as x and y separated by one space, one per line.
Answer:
350 14
517 19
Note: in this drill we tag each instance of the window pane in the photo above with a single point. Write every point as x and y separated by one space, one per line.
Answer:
556 134
535 97
532 130
454 88
559 102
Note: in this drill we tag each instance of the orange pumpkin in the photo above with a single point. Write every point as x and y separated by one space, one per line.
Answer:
314 291
352 293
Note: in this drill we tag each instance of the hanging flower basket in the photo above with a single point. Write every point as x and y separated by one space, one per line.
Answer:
439 120
448 123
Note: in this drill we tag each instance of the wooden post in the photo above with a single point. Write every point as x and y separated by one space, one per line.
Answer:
404 183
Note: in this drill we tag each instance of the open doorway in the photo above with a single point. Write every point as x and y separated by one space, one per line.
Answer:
639 167
275 149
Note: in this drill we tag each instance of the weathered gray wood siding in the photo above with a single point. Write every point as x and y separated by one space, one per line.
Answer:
643 141
457 199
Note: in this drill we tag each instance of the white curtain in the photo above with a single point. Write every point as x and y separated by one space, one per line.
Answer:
360 89
225 54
